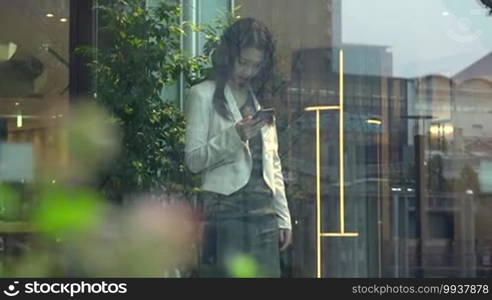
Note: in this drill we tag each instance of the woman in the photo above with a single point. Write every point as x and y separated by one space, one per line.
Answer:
236 154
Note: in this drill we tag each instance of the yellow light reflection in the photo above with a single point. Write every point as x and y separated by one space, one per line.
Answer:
373 121
318 195
342 232
448 129
19 120
341 143
434 129
318 108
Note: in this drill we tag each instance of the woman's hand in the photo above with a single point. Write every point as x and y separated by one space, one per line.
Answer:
248 128
285 238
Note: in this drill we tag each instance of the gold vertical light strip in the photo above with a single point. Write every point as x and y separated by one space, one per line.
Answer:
380 223
318 196
319 233
341 142
341 145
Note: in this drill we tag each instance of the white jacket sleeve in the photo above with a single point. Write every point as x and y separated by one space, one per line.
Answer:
280 201
202 152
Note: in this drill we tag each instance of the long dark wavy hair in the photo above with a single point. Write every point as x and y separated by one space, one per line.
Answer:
242 34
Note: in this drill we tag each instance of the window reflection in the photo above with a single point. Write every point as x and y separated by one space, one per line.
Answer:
416 179
33 85
417 150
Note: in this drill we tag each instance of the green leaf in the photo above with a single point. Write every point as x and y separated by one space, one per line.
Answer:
64 212
243 266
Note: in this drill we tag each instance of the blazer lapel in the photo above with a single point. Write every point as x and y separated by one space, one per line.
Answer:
236 114
265 132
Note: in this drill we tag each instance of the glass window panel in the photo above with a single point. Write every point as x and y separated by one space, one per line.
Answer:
416 92
33 87
382 114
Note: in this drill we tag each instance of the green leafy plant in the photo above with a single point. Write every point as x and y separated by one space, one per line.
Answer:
140 56
199 67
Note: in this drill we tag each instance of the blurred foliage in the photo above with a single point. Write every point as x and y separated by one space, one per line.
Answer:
10 203
147 240
78 234
93 142
68 213
243 266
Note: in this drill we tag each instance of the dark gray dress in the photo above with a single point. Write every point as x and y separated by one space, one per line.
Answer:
243 223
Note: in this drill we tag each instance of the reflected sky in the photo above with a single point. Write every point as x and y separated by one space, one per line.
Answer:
425 37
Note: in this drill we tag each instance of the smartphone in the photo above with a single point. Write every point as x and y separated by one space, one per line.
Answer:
265 114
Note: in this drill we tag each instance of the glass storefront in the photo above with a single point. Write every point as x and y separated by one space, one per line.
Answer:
381 112
412 83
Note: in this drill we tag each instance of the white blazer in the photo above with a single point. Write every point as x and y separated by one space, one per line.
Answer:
214 149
